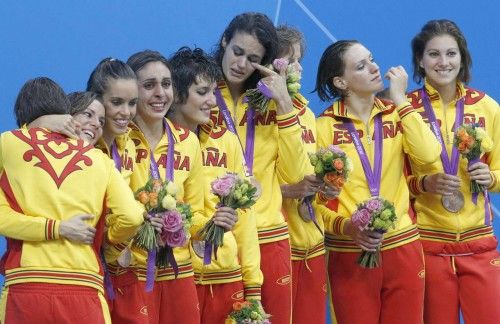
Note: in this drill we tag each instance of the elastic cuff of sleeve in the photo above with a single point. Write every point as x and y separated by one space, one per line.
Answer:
298 103
252 292
287 120
52 229
416 185
338 225
494 182
404 109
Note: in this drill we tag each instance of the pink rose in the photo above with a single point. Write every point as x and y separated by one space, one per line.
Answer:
172 221
373 204
174 239
222 186
280 64
361 218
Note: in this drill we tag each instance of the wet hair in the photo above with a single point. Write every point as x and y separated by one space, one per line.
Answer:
255 24
38 97
138 60
108 68
189 66
80 100
435 28
287 37
332 65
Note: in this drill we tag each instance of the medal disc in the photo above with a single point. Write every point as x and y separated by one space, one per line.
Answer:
454 202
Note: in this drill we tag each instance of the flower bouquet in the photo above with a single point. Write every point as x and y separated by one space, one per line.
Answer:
159 200
375 214
259 97
471 140
234 192
332 165
248 312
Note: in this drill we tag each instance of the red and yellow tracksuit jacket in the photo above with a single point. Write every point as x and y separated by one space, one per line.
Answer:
126 150
278 157
404 131
437 225
305 240
47 178
239 258
187 174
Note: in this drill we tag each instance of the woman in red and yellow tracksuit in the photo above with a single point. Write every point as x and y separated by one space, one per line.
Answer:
169 149
306 241
235 274
52 263
271 142
461 257
394 291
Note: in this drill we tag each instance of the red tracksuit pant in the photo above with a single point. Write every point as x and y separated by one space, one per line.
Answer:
277 289
40 303
216 301
309 290
462 276
393 293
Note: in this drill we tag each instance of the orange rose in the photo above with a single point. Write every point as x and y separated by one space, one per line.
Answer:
462 134
470 141
237 306
143 197
153 199
338 164
462 147
334 180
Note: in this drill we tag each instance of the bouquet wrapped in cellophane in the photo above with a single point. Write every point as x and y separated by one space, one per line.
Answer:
375 214
233 191
471 140
259 97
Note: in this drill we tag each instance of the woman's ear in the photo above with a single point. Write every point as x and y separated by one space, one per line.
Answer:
340 83
223 42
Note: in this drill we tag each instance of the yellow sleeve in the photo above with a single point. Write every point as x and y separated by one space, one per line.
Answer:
23 227
416 132
194 191
127 214
245 234
290 148
493 157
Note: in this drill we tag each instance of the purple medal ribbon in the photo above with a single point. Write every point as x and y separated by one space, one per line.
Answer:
155 174
250 138
108 284
373 177
451 167
116 156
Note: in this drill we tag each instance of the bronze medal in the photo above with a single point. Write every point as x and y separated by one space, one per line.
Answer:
125 258
198 248
454 202
303 211
257 185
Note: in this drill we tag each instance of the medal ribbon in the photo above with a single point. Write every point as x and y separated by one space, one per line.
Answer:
250 138
155 174
373 177
450 167
116 156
